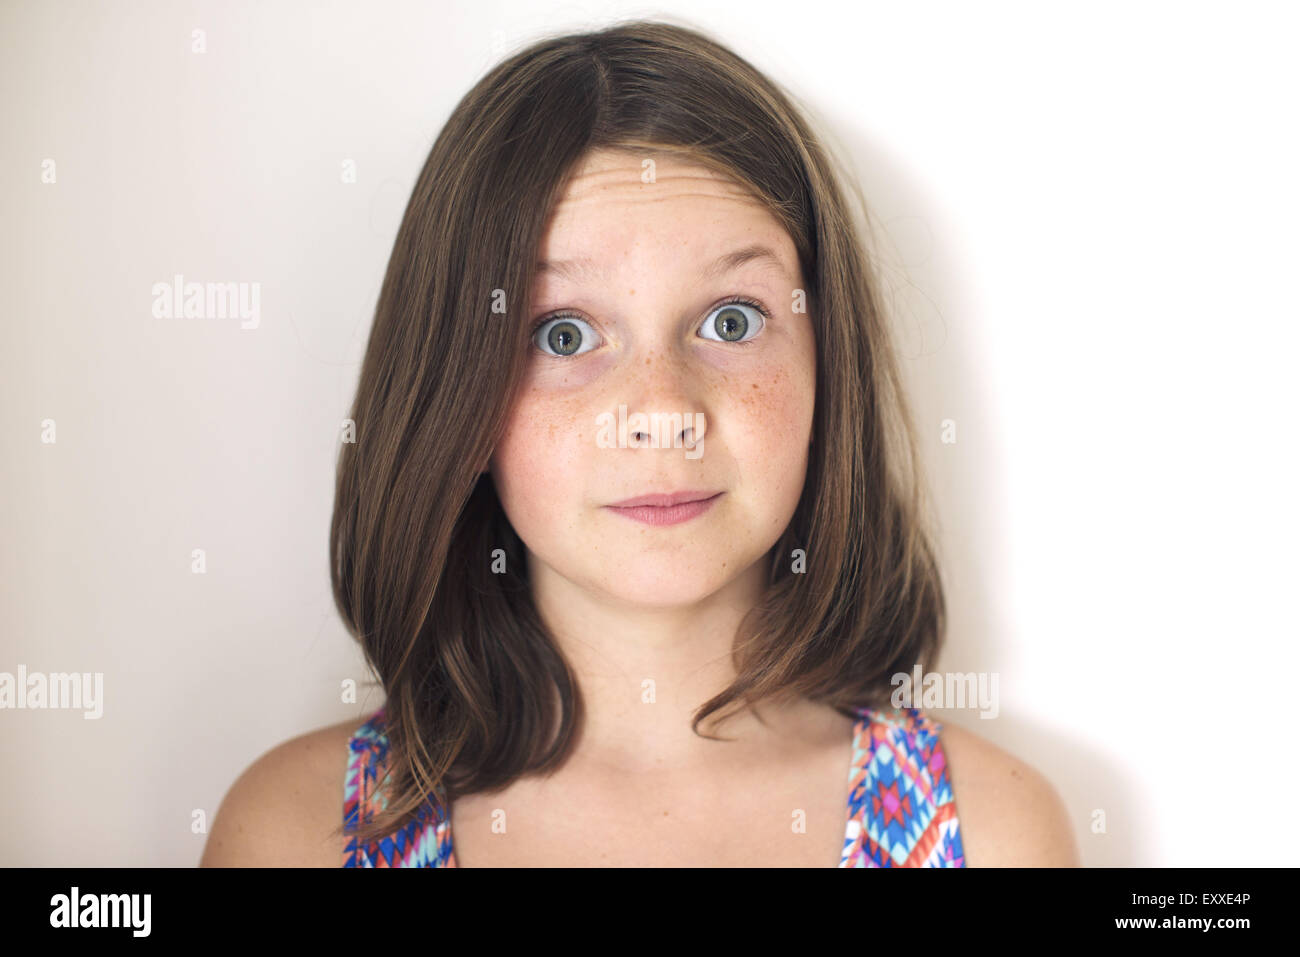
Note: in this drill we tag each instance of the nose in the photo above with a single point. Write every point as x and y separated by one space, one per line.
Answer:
672 429
662 403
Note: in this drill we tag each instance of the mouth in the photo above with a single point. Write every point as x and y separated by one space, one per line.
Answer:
666 499
665 509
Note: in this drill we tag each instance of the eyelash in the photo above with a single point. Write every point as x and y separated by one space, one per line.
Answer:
733 300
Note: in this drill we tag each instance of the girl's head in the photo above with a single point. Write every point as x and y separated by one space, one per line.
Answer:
614 228
672 355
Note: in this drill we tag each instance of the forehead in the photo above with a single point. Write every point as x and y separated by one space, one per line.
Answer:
617 208
628 173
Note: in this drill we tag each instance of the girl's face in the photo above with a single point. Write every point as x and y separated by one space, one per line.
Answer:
717 397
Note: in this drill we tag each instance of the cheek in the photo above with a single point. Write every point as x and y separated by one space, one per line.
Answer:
768 435
536 462
774 408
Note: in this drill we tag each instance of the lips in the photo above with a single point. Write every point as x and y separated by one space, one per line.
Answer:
666 500
676 507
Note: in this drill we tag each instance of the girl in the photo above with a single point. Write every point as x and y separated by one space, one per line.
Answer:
631 531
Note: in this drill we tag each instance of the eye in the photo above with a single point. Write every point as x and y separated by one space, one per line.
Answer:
564 336
731 323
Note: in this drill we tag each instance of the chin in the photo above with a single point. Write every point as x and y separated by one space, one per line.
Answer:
661 581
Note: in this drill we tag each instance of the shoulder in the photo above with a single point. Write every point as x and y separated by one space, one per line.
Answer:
1010 814
286 808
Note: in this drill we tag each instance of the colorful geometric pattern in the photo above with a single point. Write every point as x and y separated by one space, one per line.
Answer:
424 842
901 807
901 810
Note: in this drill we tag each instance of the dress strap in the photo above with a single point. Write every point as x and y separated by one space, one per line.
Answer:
902 812
424 842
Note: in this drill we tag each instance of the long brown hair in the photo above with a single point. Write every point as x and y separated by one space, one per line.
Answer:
477 692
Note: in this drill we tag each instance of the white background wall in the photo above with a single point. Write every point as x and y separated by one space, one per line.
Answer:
1091 213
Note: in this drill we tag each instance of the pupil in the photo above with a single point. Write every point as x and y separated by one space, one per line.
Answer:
731 324
562 338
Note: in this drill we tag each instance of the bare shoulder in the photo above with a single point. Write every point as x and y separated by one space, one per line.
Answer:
1008 813
286 808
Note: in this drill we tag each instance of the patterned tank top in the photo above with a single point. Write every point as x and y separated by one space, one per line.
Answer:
901 811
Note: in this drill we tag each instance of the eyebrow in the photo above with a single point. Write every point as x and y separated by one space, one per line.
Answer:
584 268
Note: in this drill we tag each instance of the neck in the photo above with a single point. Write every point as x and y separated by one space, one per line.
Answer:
644 670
